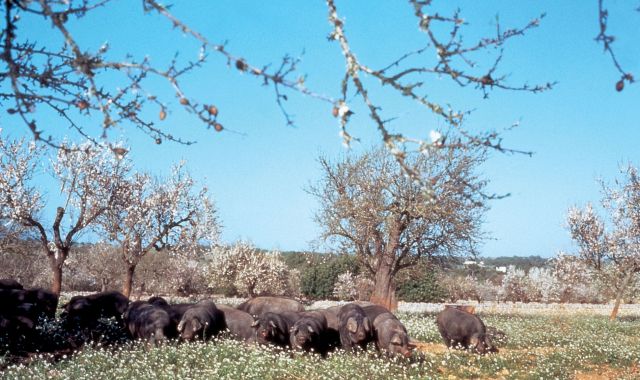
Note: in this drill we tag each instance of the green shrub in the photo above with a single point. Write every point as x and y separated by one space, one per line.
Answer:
421 286
319 277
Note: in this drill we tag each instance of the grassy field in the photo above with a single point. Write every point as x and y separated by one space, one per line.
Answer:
538 347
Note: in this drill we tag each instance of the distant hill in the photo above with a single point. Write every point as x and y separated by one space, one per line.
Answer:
523 262
300 259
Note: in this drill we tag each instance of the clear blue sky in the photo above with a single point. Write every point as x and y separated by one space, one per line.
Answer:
580 130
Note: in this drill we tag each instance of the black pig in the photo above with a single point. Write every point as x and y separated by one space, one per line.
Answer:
354 327
176 311
389 333
201 320
260 305
310 333
459 327
84 311
274 328
7 283
148 322
239 323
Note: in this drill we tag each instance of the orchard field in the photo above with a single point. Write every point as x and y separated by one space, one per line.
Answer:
562 345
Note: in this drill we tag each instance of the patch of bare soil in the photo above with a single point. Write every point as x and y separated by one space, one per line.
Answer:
432 348
438 348
606 373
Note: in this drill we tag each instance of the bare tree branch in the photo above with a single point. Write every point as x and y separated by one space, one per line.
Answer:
607 41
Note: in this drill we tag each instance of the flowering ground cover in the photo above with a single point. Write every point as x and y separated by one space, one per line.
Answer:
536 347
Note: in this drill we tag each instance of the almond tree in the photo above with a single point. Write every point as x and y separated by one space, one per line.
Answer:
250 271
90 179
614 254
575 279
369 206
158 214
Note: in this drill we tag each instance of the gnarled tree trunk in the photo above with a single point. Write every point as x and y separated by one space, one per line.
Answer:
619 293
56 271
56 262
384 287
127 284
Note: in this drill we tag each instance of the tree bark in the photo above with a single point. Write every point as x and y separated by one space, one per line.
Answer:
384 287
127 285
56 285
619 293
56 263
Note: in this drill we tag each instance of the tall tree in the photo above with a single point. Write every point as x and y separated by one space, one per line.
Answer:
613 254
90 179
368 205
159 214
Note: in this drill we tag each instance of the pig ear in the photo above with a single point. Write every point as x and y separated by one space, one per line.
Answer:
197 325
272 324
180 326
255 323
352 325
311 329
396 339
367 324
474 341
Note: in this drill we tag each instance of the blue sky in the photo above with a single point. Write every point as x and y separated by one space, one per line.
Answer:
581 130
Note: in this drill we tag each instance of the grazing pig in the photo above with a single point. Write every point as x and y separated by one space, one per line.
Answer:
354 327
389 333
310 333
45 302
84 311
260 305
147 322
274 328
331 313
21 311
7 283
458 327
239 323
201 320
176 311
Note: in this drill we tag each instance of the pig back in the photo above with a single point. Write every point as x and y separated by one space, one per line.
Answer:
260 305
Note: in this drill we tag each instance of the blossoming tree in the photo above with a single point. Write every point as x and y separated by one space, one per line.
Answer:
613 254
156 214
370 206
250 271
90 179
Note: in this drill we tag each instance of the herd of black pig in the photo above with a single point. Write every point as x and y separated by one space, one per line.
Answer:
278 321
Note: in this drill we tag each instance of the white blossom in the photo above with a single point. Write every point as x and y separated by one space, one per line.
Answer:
250 271
435 137
345 287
